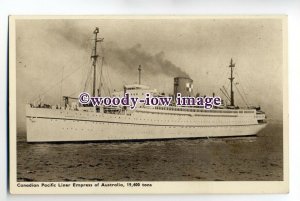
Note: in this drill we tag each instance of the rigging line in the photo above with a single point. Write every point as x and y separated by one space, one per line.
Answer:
226 91
240 94
245 98
102 49
83 88
85 73
52 86
224 94
106 78
242 87
87 81
221 73
107 89
102 66
46 87
245 80
244 90
56 74
105 86
88 75
73 94
226 83
107 72
104 63
228 87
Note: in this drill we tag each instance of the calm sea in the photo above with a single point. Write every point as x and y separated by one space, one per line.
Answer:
214 159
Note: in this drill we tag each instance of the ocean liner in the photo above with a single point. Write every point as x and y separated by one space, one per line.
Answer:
76 122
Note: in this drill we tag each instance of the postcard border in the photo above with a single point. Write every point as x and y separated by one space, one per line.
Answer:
174 187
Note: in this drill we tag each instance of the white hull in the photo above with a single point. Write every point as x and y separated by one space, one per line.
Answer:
47 125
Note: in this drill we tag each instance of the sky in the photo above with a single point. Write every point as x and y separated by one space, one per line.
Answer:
53 57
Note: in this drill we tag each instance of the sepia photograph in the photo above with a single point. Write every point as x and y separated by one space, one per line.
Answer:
139 101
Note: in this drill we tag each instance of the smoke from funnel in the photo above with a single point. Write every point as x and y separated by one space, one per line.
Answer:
128 59
124 60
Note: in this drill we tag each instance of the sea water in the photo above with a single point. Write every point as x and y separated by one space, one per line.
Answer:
258 158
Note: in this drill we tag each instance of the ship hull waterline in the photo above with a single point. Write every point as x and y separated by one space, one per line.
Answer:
57 130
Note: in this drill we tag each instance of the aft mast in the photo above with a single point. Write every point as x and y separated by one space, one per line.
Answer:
95 57
231 66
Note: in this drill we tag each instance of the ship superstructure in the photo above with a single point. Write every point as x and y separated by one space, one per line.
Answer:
75 122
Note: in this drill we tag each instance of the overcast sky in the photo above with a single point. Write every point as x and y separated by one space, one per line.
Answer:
48 50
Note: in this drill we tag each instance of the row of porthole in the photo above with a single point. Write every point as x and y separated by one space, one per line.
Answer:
174 122
168 114
95 115
199 111
144 126
127 124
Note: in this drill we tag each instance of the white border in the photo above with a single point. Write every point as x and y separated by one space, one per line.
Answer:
157 187
289 7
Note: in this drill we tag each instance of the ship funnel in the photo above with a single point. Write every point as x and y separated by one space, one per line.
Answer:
184 86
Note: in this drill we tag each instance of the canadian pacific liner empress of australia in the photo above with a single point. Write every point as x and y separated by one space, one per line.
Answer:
75 122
